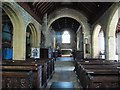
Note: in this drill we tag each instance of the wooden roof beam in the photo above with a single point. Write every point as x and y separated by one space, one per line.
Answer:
45 9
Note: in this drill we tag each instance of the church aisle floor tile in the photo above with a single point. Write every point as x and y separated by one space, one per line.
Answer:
64 72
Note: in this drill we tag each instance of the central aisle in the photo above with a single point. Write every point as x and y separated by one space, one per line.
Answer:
64 72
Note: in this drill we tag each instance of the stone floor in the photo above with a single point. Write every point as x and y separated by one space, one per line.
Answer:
64 72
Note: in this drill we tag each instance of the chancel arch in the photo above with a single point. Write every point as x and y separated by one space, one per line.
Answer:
66 32
66 12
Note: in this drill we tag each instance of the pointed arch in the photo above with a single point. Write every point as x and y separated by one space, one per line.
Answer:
110 36
98 42
78 16
34 34
18 30
32 39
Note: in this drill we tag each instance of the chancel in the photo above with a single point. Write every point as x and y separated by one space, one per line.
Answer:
60 45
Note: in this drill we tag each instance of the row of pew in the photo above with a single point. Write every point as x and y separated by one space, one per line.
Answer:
31 73
97 73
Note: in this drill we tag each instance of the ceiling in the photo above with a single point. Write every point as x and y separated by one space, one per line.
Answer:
65 23
92 10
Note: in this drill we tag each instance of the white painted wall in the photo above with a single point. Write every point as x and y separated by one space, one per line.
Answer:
118 45
101 42
108 22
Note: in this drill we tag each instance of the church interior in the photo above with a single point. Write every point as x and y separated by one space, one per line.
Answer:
52 45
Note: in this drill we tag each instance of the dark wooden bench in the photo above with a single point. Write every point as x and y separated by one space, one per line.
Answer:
16 79
92 73
38 67
88 74
96 62
49 67
85 73
37 71
105 82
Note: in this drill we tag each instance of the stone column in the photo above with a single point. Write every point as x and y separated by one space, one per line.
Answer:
19 43
44 29
78 40
111 48
110 38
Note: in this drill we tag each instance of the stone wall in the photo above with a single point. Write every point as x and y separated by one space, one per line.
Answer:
65 45
78 16
108 22
20 20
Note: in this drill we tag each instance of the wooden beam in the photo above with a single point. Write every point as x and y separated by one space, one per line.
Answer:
35 8
41 2
38 9
45 5
47 8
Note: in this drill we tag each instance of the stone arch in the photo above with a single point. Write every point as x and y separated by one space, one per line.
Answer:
18 37
95 41
71 13
34 39
110 33
34 33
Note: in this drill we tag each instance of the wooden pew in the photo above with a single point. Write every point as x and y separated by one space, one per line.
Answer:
95 72
96 62
37 71
89 61
102 79
41 69
38 68
88 74
105 82
16 79
49 67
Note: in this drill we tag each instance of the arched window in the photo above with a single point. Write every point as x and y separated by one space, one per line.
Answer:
65 37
